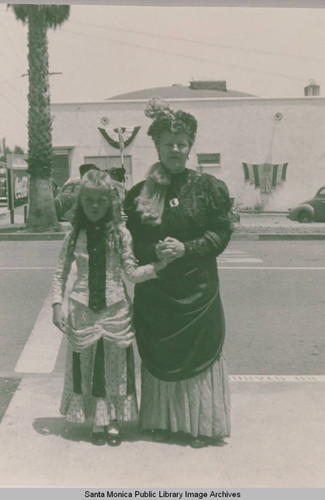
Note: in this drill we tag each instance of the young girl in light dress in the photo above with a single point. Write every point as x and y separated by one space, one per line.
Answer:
99 380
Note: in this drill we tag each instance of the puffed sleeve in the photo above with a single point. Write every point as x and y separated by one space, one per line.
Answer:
62 271
219 222
130 266
144 248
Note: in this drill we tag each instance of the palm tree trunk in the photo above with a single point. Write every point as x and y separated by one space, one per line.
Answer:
42 214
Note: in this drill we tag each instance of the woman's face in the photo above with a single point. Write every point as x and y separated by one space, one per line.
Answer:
95 202
173 149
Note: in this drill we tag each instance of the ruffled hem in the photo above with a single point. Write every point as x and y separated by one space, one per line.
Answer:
101 413
78 408
76 412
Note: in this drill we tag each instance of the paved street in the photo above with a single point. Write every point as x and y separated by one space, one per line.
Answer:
273 295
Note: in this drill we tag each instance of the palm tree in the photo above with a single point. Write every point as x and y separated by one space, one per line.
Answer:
39 18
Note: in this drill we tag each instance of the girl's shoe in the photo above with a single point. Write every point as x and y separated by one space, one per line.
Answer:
98 438
113 440
113 436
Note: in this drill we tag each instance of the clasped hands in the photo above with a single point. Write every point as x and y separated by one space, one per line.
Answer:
166 251
170 249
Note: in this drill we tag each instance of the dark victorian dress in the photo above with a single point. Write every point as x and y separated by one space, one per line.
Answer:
179 318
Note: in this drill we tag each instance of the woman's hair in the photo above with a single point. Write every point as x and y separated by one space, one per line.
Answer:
166 119
98 179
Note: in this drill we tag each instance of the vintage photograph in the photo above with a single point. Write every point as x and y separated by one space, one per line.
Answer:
162 231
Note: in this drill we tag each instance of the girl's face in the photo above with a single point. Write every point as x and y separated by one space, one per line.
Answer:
173 149
95 202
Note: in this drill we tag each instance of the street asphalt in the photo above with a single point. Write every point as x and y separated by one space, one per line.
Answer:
277 441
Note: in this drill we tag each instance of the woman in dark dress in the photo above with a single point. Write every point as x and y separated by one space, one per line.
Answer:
179 318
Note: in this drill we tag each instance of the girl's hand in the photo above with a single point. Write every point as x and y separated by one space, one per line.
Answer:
171 247
163 262
59 318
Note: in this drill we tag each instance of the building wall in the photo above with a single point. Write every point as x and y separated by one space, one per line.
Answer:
240 129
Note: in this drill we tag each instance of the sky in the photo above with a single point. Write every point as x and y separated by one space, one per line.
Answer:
105 50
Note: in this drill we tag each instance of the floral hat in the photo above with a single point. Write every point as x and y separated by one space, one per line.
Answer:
164 118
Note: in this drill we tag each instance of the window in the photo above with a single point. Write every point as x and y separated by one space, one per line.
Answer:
208 163
108 162
61 165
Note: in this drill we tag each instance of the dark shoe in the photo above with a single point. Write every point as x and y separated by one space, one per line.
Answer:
113 439
113 436
217 441
197 442
98 438
160 436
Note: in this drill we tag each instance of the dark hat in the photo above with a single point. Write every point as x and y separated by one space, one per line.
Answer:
118 174
85 167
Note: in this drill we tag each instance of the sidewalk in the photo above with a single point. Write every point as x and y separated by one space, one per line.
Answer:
252 226
277 441
276 226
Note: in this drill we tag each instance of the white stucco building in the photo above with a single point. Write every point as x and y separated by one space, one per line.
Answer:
232 128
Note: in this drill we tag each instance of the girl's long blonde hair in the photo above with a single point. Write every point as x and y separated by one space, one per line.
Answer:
112 219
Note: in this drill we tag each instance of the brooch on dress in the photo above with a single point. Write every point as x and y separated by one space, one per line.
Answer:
173 202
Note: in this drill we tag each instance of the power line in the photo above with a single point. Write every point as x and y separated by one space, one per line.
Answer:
215 44
11 43
10 85
12 105
187 56
11 79
200 42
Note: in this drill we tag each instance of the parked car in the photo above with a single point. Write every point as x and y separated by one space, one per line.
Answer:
3 185
312 210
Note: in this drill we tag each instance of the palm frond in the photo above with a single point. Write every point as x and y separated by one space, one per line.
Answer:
21 11
52 15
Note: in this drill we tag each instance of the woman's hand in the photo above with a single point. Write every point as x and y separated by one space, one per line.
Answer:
171 248
59 318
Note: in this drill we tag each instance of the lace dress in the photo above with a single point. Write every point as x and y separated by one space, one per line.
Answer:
99 379
179 318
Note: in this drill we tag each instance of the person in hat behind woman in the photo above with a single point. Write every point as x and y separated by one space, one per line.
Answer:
179 319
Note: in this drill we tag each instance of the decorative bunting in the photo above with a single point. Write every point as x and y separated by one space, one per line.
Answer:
121 137
266 176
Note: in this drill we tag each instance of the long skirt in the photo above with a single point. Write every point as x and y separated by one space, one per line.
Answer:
199 406
99 388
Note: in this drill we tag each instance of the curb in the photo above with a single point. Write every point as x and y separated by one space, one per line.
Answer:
253 236
31 236
276 236
292 236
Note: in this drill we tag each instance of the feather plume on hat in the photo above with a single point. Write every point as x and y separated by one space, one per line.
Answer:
165 118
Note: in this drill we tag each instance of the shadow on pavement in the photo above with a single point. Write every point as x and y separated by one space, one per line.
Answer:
130 432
